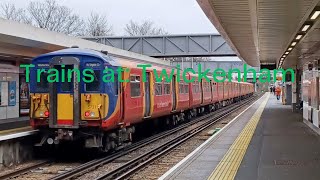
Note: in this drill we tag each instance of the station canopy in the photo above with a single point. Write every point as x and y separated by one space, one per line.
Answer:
285 32
20 43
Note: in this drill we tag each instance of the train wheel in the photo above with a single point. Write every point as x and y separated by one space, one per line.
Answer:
189 116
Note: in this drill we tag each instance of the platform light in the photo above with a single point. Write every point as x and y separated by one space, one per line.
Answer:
286 53
315 15
293 43
284 56
282 59
299 36
305 27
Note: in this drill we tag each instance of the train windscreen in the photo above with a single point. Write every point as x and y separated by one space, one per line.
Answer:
94 86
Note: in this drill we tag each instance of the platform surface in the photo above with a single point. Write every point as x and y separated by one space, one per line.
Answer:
279 146
13 123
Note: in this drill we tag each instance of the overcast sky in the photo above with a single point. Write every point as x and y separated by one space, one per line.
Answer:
175 16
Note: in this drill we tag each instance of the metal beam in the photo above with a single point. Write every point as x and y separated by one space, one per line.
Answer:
212 65
18 41
170 45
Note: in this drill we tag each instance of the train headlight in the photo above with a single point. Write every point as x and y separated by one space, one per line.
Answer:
41 113
92 114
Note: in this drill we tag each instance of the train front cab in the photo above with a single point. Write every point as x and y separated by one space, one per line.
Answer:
74 109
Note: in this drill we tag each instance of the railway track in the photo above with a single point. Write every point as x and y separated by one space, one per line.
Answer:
124 167
138 160
24 170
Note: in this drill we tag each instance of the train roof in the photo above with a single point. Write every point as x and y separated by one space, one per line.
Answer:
74 51
115 60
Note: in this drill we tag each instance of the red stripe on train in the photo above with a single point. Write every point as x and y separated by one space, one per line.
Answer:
65 122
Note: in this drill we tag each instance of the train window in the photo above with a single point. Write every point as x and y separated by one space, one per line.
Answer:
194 88
197 87
67 86
94 86
135 86
166 88
181 88
186 88
158 89
207 87
43 84
220 88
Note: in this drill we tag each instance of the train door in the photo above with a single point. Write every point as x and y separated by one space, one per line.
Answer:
174 94
64 95
147 97
201 90
118 87
211 92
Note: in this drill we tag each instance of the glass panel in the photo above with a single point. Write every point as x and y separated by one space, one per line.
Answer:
158 89
181 88
135 89
186 88
43 85
67 86
95 85
135 86
166 89
24 93
4 93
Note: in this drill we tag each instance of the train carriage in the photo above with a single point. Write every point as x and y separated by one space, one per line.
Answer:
104 112
214 90
206 92
183 98
195 93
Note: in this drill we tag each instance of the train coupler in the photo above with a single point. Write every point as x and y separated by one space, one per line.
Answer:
64 134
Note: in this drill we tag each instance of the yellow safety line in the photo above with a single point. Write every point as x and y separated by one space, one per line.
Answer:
16 130
229 165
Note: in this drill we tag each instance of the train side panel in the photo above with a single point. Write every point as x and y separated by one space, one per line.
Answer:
183 100
206 91
133 98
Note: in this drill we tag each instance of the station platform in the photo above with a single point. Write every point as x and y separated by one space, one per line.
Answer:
265 141
13 123
15 128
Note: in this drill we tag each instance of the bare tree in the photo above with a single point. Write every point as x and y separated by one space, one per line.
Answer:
10 12
54 17
98 25
145 28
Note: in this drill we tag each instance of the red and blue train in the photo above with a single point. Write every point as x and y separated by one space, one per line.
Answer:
104 114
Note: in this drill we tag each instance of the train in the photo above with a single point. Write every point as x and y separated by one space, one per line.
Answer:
104 115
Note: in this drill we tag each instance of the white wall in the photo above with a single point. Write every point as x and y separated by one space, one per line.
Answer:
9 73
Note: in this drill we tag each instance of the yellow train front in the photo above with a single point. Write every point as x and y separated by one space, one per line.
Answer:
68 99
